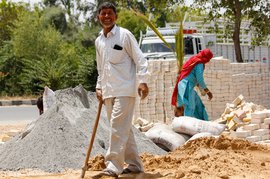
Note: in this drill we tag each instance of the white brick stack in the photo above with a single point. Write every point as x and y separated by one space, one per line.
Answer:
226 81
258 130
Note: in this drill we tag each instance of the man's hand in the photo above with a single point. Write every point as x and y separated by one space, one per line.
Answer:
143 90
99 94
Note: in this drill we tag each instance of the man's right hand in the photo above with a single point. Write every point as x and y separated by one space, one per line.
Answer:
99 94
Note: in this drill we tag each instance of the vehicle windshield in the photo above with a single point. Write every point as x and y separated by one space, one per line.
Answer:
156 47
159 47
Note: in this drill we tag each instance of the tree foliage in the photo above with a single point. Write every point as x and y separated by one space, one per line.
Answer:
47 59
10 72
234 11
157 9
8 15
133 23
55 16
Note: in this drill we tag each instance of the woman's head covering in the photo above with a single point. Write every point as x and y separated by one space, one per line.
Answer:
203 57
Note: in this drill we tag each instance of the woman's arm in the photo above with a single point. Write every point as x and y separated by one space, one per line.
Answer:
200 79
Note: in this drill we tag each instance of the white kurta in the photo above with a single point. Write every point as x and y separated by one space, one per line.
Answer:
118 68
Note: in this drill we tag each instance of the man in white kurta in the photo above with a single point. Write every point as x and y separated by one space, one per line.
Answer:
119 63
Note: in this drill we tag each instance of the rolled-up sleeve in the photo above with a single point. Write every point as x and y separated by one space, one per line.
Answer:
136 54
199 69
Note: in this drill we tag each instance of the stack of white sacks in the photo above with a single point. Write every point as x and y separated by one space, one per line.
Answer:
183 129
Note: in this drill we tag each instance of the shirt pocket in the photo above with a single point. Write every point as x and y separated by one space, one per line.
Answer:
117 56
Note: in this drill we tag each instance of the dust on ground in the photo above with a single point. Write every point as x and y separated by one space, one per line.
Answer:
208 157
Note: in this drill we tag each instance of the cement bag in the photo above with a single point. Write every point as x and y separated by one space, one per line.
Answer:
163 136
191 126
48 98
199 135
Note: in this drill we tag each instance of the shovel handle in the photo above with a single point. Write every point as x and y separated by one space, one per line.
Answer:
85 168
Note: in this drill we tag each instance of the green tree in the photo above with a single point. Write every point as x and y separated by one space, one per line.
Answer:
87 75
157 9
47 58
8 15
234 11
10 71
55 16
133 23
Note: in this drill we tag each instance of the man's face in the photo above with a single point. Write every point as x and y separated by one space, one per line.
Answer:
107 18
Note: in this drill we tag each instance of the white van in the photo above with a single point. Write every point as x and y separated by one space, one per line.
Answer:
154 48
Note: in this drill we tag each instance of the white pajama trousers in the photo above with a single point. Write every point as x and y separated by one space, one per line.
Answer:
122 147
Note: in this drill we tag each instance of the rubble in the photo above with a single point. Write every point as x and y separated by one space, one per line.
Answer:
246 120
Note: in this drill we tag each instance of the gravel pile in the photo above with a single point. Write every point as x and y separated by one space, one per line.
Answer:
59 138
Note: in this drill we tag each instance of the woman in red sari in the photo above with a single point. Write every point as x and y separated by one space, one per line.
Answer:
185 99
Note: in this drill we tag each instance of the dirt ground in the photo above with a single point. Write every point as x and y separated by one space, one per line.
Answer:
206 158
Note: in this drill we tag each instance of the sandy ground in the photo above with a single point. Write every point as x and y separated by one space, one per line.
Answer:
206 158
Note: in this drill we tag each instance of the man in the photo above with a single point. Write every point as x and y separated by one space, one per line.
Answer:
118 57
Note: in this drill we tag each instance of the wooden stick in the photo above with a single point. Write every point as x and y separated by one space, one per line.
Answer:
85 168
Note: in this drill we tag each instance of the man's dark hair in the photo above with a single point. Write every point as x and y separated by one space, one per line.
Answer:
107 5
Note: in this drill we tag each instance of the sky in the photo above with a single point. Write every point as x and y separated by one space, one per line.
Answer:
32 2
27 1
188 2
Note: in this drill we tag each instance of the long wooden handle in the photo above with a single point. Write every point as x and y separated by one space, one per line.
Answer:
85 168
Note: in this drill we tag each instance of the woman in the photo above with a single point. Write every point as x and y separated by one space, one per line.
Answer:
185 99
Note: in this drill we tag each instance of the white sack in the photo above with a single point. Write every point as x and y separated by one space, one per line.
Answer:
199 135
191 126
164 136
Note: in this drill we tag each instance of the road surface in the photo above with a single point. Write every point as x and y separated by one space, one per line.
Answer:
18 114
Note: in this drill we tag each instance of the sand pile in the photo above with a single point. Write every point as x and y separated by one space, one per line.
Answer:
208 157
59 138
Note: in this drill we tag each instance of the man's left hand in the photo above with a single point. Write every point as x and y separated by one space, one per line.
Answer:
143 90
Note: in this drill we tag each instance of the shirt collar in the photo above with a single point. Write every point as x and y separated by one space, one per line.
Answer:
112 32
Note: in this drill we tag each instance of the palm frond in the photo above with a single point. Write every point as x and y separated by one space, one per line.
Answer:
179 44
152 26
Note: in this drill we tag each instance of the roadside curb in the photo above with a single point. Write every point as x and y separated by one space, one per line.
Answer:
17 102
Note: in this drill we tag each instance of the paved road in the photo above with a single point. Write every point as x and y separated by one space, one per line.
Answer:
18 114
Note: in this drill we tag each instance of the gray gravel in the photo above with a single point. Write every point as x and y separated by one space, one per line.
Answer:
59 138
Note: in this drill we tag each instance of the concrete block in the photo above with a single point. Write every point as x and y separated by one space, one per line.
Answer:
142 122
266 137
238 100
266 121
240 113
256 120
254 138
259 115
251 127
265 126
242 134
147 127
260 132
